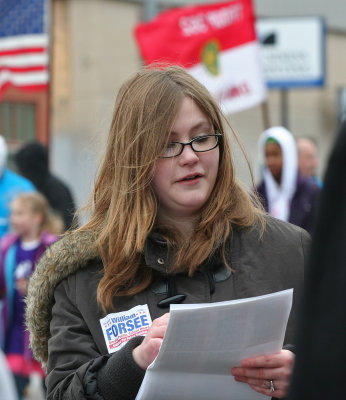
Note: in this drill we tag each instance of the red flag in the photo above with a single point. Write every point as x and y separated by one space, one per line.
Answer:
217 44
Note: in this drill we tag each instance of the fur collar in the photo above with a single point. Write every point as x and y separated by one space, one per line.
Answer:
60 260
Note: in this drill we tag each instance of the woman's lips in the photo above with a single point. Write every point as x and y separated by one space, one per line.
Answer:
190 179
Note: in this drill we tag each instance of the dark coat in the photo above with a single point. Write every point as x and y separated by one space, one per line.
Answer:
63 309
321 353
303 203
32 162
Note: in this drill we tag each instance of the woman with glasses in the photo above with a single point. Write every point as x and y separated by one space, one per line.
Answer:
170 223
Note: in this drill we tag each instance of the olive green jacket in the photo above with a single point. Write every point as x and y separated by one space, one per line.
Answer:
63 315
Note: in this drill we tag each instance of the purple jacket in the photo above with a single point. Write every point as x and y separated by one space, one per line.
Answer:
302 205
6 291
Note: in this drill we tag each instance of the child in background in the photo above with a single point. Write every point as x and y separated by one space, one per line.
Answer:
34 229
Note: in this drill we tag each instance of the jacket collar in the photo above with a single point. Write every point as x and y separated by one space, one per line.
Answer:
156 253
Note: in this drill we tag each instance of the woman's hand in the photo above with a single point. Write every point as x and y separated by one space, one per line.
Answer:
259 371
146 352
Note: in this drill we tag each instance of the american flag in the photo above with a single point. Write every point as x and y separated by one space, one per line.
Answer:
23 45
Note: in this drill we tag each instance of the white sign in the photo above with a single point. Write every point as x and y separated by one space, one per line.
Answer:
293 51
119 328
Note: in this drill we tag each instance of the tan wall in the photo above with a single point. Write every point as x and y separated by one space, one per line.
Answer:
93 53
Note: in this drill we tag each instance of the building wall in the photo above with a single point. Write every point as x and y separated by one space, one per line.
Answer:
332 10
94 51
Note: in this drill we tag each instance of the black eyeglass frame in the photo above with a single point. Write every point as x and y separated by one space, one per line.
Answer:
190 143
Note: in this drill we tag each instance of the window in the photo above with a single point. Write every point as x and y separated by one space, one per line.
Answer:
17 122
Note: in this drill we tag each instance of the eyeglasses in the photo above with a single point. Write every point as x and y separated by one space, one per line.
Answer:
198 144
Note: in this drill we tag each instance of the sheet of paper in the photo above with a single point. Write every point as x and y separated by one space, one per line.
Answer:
204 341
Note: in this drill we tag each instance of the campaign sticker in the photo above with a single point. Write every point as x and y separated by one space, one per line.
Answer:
119 328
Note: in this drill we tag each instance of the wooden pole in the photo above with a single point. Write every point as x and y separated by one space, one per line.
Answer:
265 114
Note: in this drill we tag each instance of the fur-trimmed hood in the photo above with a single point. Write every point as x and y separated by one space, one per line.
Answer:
62 259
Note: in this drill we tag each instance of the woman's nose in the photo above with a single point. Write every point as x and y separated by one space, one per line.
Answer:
188 155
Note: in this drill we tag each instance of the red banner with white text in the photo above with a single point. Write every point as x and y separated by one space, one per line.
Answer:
216 43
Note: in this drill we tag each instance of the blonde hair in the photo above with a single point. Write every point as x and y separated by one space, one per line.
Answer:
38 204
124 205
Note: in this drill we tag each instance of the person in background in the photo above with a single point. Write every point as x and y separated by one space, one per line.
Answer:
284 192
322 323
308 159
34 229
32 163
169 223
11 184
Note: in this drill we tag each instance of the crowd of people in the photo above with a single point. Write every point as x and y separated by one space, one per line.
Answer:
169 222
35 210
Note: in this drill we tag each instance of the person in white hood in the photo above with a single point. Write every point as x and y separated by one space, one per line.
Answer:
11 184
285 194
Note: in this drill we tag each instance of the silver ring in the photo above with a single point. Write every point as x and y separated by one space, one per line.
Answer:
271 383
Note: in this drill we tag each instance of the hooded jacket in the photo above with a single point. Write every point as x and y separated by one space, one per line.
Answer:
32 162
295 198
63 315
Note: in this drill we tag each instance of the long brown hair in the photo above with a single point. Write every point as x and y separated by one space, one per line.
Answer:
124 206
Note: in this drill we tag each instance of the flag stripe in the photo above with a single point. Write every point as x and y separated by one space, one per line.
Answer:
24 41
23 60
22 51
34 87
25 78
24 69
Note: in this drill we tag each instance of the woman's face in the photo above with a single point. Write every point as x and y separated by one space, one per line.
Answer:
184 183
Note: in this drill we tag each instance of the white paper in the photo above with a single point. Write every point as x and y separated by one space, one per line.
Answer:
203 342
